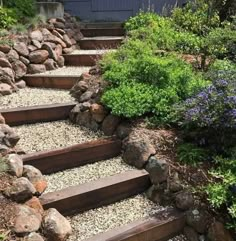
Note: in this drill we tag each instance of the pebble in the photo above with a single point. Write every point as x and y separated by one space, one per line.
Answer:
52 135
94 221
35 96
87 173
68 71
180 237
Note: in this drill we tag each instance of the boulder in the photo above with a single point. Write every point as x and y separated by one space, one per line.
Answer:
5 48
68 50
38 56
36 35
137 152
8 136
86 96
61 61
51 52
7 76
2 119
5 63
184 200
34 237
37 44
50 64
67 40
5 89
85 106
158 170
55 226
58 50
61 31
191 234
123 130
36 68
15 165
27 220
2 55
21 48
82 86
24 60
54 39
98 112
21 84
85 119
19 68
110 124
198 220
174 183
21 190
218 232
154 194
35 204
35 177
57 34
59 25
32 48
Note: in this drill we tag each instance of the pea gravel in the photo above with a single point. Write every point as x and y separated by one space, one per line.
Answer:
35 96
180 237
94 221
87 173
52 135
67 71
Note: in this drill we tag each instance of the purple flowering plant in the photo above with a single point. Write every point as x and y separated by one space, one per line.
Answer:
212 114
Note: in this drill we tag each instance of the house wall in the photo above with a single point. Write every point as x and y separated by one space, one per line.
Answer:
114 10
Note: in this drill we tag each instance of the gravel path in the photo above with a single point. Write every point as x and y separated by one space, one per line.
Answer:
68 71
52 135
92 51
102 219
35 96
87 173
180 237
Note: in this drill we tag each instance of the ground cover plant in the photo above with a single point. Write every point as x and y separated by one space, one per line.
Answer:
148 78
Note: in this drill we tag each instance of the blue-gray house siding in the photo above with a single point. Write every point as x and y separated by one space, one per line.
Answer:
114 10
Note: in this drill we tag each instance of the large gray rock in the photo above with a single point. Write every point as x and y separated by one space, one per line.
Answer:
36 43
184 200
7 76
36 68
158 170
21 84
50 64
4 63
55 226
98 112
38 56
5 48
67 40
137 152
8 137
12 55
5 89
191 234
51 52
21 48
85 119
24 60
198 219
36 35
218 232
86 96
15 165
110 124
27 220
21 190
19 68
35 177
61 61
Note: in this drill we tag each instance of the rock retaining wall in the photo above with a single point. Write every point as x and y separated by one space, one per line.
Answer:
38 51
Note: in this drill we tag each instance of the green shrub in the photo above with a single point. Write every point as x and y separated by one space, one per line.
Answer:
8 17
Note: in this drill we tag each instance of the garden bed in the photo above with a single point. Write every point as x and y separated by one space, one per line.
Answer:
87 173
52 135
92 222
35 96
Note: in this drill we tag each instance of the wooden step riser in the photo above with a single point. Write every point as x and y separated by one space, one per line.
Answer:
161 227
74 156
57 82
97 193
101 25
82 60
34 114
94 32
100 44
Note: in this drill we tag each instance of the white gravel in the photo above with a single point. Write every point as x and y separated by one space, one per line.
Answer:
103 38
52 135
35 96
180 237
67 71
92 51
87 173
92 222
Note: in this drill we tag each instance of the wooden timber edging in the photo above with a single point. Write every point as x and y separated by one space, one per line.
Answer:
51 81
81 59
100 43
97 193
160 227
93 32
73 156
33 114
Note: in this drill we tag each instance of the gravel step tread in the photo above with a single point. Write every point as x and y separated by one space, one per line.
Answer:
35 96
180 237
95 221
53 135
92 51
103 38
86 173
